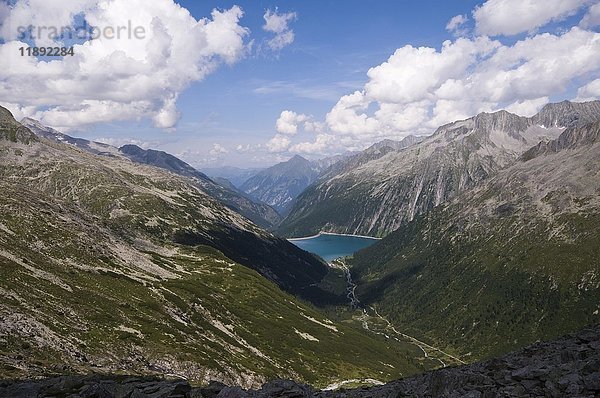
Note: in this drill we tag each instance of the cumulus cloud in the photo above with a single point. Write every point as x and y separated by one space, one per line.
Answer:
217 150
246 148
456 25
420 88
527 107
287 125
590 91
321 146
279 143
511 17
279 25
288 122
592 18
111 79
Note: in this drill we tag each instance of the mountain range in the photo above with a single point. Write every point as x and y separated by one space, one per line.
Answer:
261 214
279 185
375 192
112 266
235 175
127 259
514 260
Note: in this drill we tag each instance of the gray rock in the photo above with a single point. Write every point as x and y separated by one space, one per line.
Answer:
535 371
592 382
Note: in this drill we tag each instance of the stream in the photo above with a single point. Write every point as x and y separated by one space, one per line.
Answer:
370 312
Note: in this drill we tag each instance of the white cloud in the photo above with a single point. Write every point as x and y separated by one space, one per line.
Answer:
456 23
279 25
217 150
527 107
511 17
167 116
592 18
321 146
349 115
411 74
287 125
116 79
289 121
590 91
418 89
279 143
246 148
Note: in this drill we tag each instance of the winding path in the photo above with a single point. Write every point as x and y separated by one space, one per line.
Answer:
355 303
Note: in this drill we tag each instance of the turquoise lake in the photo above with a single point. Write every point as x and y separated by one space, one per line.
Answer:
330 247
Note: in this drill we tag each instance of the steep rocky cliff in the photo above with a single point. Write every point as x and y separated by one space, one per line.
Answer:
378 192
513 260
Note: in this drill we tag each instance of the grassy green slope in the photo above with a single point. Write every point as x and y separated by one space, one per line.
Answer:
506 264
94 279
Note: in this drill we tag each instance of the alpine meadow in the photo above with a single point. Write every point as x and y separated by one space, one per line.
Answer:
314 199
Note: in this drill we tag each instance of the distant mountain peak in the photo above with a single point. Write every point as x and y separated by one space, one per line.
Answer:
567 114
280 185
298 159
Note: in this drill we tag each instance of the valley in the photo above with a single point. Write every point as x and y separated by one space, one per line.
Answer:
113 266
299 199
331 246
376 191
372 321
204 293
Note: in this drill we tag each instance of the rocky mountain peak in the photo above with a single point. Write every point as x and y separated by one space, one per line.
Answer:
298 159
396 145
567 114
29 122
573 137
501 121
279 185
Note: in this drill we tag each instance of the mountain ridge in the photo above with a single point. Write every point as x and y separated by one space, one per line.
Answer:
510 261
259 213
279 185
114 266
375 197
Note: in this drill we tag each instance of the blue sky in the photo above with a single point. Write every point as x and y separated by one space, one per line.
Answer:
229 115
335 44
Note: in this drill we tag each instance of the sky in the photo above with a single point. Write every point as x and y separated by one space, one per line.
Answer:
251 83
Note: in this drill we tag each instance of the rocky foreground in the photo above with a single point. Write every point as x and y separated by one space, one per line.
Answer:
569 366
